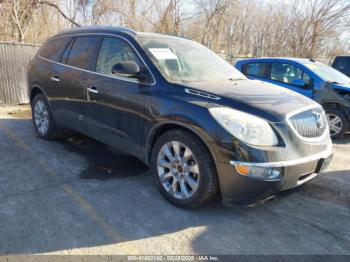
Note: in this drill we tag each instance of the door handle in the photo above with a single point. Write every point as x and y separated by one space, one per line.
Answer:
92 90
55 78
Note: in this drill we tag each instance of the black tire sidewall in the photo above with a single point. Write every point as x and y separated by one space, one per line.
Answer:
343 119
208 184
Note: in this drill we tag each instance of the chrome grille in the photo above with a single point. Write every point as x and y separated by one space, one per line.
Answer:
309 124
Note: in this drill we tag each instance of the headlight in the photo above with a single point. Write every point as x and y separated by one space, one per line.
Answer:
246 127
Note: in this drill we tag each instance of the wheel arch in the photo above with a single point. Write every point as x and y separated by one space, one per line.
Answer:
34 90
160 129
337 106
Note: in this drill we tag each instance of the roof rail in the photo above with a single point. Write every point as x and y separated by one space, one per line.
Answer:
126 29
180 36
119 28
312 60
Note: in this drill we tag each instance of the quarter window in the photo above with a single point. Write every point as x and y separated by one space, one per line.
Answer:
288 74
256 69
53 49
83 51
112 52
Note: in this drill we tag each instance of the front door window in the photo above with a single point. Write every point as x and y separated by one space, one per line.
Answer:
112 52
288 74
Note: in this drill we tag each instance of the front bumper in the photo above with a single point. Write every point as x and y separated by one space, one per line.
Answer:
236 188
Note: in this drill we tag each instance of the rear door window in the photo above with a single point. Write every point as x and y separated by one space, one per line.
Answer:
256 69
53 49
83 51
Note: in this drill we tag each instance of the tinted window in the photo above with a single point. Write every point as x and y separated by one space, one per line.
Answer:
256 69
287 73
53 49
342 64
83 51
112 52
66 52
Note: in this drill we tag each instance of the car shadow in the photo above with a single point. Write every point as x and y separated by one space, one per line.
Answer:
119 189
103 162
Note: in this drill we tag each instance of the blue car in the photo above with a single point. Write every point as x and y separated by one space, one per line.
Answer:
320 82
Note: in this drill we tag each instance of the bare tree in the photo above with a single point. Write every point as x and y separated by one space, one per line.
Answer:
213 13
303 28
312 22
22 12
79 4
170 18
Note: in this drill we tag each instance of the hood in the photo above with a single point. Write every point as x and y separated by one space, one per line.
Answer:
256 97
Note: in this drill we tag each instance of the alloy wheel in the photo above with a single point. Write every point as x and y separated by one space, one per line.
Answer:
335 124
41 117
178 170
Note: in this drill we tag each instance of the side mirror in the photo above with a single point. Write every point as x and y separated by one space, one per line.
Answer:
126 69
299 83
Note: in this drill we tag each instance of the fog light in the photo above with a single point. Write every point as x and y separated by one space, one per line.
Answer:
260 172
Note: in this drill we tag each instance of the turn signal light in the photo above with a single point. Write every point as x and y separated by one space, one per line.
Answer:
243 170
265 173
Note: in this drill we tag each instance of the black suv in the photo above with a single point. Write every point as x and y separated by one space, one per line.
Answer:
201 125
342 63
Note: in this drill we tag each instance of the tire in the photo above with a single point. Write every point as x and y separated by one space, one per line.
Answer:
44 123
339 125
199 168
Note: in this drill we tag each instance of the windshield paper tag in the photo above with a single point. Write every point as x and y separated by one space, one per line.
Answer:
162 53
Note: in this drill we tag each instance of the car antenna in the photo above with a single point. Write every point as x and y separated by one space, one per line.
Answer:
312 60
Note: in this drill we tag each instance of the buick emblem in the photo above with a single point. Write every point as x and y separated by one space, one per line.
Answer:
318 118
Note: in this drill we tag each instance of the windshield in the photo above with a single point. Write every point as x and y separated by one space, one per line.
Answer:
328 73
183 60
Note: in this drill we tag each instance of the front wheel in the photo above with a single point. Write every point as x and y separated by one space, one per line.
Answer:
337 122
183 168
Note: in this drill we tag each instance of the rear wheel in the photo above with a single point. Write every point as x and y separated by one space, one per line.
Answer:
183 169
43 121
337 122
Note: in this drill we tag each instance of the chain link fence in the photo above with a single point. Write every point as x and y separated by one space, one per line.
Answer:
14 59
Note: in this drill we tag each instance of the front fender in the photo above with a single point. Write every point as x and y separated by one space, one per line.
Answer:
326 94
190 126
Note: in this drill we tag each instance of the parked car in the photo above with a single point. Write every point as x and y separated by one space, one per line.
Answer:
320 82
342 64
199 123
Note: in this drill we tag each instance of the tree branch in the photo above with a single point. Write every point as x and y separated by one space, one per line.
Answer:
55 6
